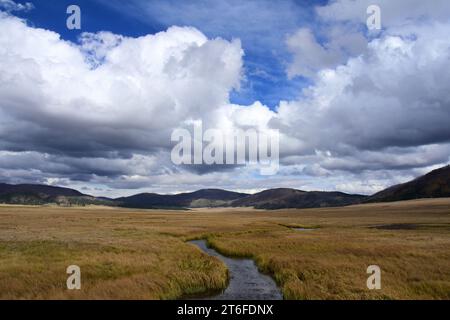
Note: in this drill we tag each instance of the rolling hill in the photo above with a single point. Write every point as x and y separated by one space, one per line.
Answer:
435 184
292 198
34 194
200 198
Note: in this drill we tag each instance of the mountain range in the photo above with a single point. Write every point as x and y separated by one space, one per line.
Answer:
435 184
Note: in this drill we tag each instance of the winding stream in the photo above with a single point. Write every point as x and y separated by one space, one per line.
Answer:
246 282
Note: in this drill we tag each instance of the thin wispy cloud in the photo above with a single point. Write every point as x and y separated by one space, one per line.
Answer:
10 6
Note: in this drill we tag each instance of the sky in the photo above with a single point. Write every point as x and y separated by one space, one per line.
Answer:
357 110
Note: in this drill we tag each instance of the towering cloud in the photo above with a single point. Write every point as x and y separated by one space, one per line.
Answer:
100 112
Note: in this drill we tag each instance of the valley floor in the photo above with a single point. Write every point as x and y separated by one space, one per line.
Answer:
143 254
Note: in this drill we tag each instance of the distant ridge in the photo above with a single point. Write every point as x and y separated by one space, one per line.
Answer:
435 184
292 198
35 194
200 198
38 189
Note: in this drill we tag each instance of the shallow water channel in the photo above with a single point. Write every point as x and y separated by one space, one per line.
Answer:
246 282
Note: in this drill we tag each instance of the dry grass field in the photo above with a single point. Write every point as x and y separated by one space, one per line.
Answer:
143 254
